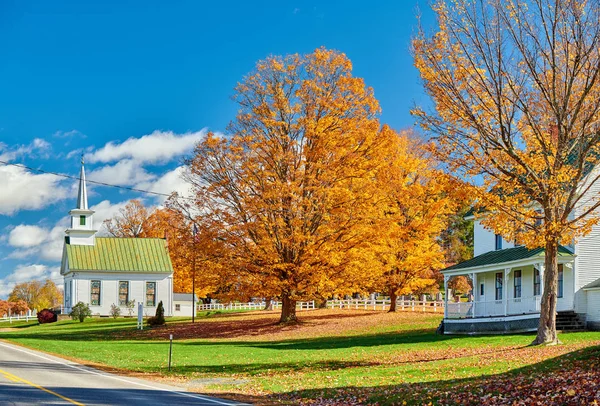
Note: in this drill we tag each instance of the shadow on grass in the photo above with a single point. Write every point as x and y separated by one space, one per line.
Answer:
546 382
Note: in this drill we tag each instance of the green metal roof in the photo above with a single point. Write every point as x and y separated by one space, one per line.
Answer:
593 285
505 255
120 255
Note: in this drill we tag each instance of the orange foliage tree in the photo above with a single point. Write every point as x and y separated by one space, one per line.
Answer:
138 221
130 221
291 188
416 203
516 89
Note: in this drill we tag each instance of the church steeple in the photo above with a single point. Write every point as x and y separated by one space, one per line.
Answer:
82 202
81 231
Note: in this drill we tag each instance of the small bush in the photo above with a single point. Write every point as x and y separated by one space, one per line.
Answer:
46 316
80 311
115 311
159 318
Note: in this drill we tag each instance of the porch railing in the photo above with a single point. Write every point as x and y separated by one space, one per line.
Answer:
510 307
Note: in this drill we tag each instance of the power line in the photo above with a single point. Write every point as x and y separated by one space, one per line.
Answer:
64 175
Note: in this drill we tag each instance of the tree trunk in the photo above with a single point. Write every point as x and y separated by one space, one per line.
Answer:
268 304
288 310
393 299
546 333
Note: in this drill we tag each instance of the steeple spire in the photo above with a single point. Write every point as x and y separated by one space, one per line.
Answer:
82 201
82 230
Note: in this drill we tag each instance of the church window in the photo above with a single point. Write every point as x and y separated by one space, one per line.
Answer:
150 294
95 299
82 220
123 293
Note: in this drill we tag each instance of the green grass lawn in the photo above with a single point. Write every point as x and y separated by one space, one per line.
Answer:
330 353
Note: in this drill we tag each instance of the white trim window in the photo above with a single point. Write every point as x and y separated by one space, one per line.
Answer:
95 293
123 293
150 294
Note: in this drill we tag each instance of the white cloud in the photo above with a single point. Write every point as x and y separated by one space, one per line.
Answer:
69 134
23 190
125 172
168 183
160 146
47 243
37 146
24 236
26 273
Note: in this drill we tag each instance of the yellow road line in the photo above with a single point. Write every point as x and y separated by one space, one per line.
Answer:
15 378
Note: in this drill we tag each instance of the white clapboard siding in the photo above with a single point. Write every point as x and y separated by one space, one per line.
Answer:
587 249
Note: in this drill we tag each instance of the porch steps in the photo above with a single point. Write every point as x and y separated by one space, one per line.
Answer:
569 321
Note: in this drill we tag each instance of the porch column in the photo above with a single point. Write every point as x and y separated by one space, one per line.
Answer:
474 292
505 290
541 268
446 279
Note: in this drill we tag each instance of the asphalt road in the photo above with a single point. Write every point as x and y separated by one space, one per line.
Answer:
30 377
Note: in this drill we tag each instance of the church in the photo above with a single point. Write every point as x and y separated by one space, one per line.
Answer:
102 271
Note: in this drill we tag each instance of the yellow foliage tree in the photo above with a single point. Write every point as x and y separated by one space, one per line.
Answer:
516 89
291 187
416 203
37 295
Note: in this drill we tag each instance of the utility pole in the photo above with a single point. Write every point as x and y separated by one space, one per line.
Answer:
194 286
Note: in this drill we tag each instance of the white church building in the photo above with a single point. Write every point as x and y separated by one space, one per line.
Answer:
102 271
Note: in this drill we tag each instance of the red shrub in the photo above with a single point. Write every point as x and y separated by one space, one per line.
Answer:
46 316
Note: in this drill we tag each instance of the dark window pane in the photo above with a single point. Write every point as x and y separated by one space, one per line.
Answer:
560 281
499 281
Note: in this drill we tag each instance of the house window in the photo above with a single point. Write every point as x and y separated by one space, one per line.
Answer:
536 282
560 281
499 280
517 279
95 290
123 293
481 290
177 307
498 242
150 294
82 220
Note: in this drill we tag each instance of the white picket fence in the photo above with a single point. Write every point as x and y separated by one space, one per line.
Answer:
25 317
252 306
433 306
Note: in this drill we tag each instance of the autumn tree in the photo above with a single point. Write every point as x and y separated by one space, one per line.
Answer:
130 221
457 239
290 185
460 284
4 308
37 295
517 108
18 307
415 204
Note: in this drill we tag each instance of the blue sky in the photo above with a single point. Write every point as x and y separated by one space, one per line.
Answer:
134 84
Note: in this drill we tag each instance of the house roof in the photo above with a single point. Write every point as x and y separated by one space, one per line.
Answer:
183 297
593 285
110 254
505 255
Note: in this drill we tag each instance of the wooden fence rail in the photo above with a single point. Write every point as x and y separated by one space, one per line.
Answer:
252 306
25 317
433 306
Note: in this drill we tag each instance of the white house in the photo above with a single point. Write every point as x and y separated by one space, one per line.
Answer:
508 286
102 271
183 303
